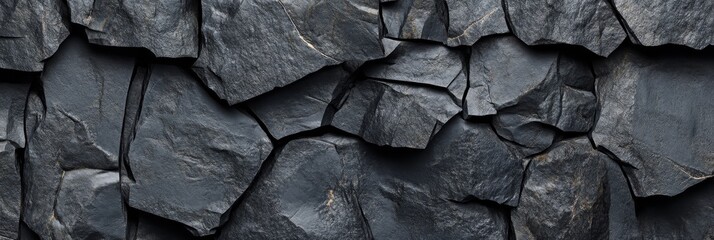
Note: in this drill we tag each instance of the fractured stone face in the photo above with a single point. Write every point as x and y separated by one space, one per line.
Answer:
74 123
572 192
30 32
588 23
286 41
469 20
659 22
394 114
167 28
531 91
415 19
656 114
11 197
689 215
12 110
191 157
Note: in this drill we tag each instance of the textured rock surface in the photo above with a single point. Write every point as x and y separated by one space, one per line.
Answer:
532 91
30 32
394 114
167 28
10 199
567 195
286 41
469 20
191 157
654 23
415 19
74 123
588 23
656 114
12 109
689 215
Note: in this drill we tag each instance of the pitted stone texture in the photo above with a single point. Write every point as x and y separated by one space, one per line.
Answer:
532 92
254 46
656 114
572 192
30 32
659 22
588 23
166 28
393 114
191 157
469 20
75 122
303 105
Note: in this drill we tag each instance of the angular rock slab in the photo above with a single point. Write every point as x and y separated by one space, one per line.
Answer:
531 91
13 96
30 32
689 215
75 125
656 114
11 197
303 105
654 23
393 114
286 41
166 28
422 63
329 187
191 157
588 23
572 192
469 20
415 19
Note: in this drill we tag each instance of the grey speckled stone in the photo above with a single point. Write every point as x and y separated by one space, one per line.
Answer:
11 197
531 91
659 22
689 215
569 194
191 157
415 19
167 28
77 126
469 20
588 23
254 46
656 115
30 32
397 115
303 105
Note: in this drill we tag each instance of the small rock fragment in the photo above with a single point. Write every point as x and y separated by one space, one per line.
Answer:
393 114
191 157
588 23
166 28
254 46
30 32
656 114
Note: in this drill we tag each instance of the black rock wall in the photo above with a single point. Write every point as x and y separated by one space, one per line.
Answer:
356 119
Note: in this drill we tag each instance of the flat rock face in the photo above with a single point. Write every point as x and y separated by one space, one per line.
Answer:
469 20
191 157
13 96
656 114
167 28
285 42
531 91
659 22
588 23
689 215
567 195
415 19
303 105
30 32
74 122
394 114
11 197
330 187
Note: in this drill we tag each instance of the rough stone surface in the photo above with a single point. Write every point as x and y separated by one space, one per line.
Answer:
689 215
286 41
10 199
415 19
191 157
394 114
12 110
469 20
303 105
567 195
30 32
655 115
588 23
531 91
167 28
74 123
659 22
